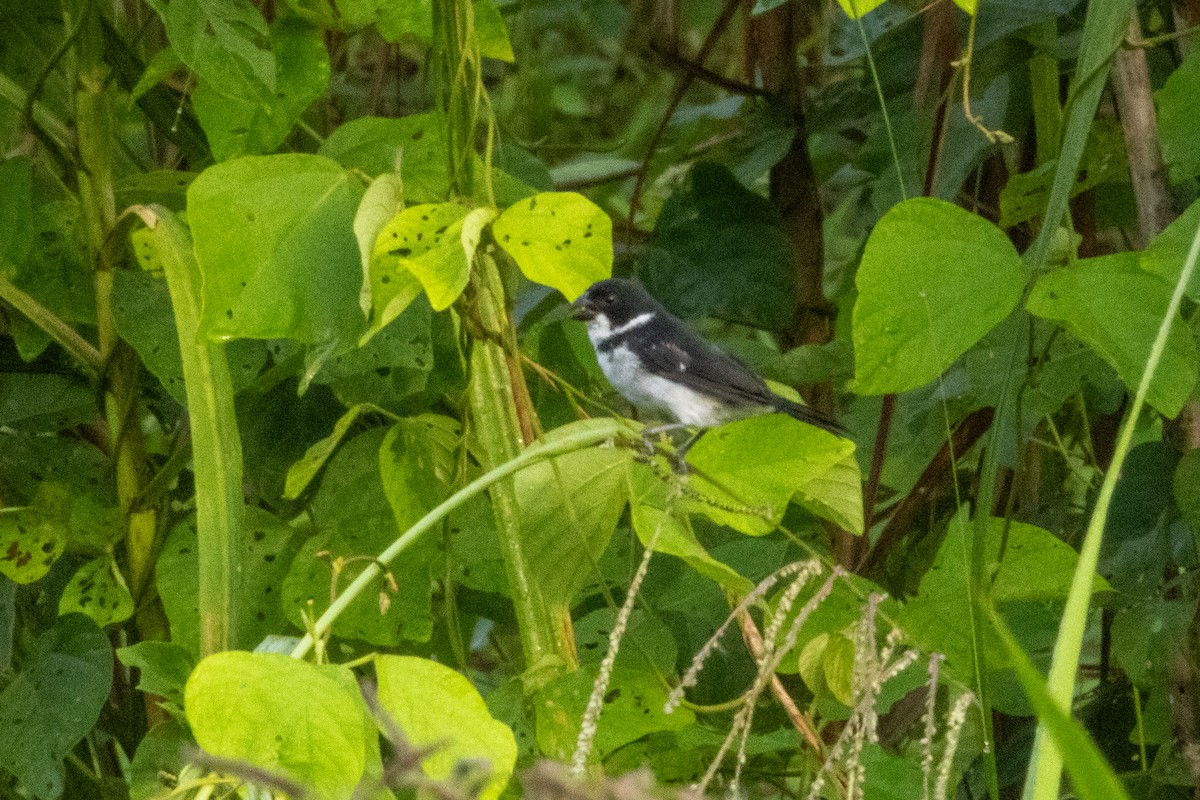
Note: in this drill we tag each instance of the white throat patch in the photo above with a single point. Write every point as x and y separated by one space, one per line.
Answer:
600 330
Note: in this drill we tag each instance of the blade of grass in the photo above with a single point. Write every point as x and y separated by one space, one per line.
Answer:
1046 763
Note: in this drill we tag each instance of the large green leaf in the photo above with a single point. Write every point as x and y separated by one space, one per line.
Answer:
53 702
569 509
1166 255
669 530
417 463
746 472
253 119
933 280
560 239
1116 307
274 238
434 705
282 715
225 42
718 250
1178 122
414 146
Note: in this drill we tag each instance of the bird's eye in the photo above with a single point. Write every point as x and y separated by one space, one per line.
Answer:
609 299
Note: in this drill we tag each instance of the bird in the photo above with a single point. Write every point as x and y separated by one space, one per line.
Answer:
657 363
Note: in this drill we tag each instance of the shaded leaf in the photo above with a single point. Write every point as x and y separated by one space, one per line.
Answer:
1115 307
53 702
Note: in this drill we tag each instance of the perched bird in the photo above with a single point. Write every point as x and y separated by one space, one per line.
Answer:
657 362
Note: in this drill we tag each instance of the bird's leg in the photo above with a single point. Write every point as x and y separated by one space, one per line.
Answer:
681 451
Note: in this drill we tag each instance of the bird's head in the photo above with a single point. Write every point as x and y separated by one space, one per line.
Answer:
616 300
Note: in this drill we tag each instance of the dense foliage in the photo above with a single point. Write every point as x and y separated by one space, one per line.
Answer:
310 487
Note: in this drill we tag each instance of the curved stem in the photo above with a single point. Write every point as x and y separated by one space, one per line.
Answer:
598 431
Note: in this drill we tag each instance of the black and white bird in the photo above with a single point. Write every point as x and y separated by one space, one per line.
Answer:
658 363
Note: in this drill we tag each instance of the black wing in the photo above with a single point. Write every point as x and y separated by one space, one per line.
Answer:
677 349
674 349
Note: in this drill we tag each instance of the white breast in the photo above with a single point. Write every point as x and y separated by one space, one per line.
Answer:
652 392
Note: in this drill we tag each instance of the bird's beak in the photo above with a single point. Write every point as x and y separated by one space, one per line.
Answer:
582 310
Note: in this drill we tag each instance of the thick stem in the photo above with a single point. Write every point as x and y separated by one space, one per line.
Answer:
122 409
545 632
216 445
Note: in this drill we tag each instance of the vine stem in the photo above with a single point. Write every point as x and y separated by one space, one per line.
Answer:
597 431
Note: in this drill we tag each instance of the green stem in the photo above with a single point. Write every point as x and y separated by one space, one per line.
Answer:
84 353
122 409
887 120
599 431
51 126
216 446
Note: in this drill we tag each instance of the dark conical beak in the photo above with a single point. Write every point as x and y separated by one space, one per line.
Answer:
582 310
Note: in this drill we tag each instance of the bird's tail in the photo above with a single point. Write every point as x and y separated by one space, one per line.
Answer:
810 415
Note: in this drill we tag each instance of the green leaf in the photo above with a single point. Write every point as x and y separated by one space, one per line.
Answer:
98 591
282 715
427 242
633 708
1115 307
354 522
933 280
259 120
569 509
1187 490
273 235
492 32
434 705
1178 123
714 235
163 667
1166 255
44 402
1104 160
53 702
225 42
383 200
859 8
1037 566
417 463
671 531
559 239
836 495
146 320
301 473
32 538
414 145
392 364
268 547
16 209
747 471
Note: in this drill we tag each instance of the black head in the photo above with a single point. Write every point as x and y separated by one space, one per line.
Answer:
617 299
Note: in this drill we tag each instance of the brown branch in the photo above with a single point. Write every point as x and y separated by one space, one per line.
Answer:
754 642
936 474
701 72
685 82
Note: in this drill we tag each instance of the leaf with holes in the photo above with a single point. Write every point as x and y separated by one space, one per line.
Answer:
424 243
559 239
98 591
283 267
933 280
32 538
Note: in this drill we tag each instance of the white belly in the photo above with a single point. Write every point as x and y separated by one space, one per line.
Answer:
651 392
